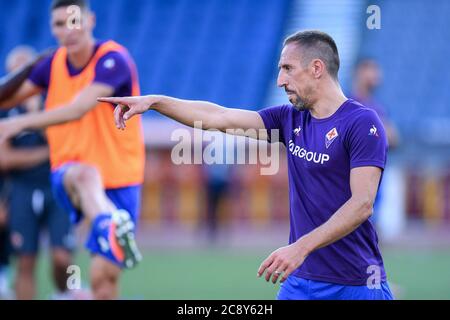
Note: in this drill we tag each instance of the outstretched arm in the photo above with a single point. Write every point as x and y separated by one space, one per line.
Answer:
85 101
211 116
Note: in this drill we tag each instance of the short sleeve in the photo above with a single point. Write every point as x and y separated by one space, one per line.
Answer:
367 141
112 69
273 121
40 75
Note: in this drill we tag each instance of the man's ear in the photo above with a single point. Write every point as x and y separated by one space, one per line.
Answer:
92 20
318 68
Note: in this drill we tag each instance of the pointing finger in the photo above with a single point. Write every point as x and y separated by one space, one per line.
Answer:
113 100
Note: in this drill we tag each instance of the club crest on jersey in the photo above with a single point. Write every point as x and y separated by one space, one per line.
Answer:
330 137
297 131
373 131
109 64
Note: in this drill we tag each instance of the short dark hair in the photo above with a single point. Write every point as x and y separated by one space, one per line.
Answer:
318 45
365 61
83 4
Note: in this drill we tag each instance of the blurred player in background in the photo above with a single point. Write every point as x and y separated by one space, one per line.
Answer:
367 78
217 180
336 154
97 171
31 204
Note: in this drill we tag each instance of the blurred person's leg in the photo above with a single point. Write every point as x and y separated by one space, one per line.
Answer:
79 188
85 189
217 181
25 278
104 279
24 228
61 260
62 241
84 186
5 292
216 192
104 275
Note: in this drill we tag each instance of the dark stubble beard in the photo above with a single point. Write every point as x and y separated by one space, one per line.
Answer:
300 104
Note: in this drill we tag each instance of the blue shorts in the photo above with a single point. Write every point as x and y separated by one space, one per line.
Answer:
33 209
295 288
127 198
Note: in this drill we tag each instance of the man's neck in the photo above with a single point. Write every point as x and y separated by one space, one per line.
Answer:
81 58
329 102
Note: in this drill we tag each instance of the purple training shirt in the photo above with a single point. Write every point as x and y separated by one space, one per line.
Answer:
320 155
112 69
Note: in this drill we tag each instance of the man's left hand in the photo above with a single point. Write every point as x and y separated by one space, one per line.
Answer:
283 262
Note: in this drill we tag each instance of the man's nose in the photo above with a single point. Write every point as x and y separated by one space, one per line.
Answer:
281 80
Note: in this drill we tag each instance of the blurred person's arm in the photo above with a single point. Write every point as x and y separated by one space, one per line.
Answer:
212 116
15 87
12 99
19 159
33 104
83 103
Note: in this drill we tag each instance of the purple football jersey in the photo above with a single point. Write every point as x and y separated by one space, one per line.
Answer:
320 155
112 69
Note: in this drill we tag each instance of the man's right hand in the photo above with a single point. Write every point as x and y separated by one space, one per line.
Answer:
127 107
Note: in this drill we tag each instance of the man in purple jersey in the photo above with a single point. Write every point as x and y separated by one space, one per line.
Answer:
336 152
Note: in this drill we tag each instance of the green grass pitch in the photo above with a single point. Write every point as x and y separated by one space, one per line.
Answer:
224 274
